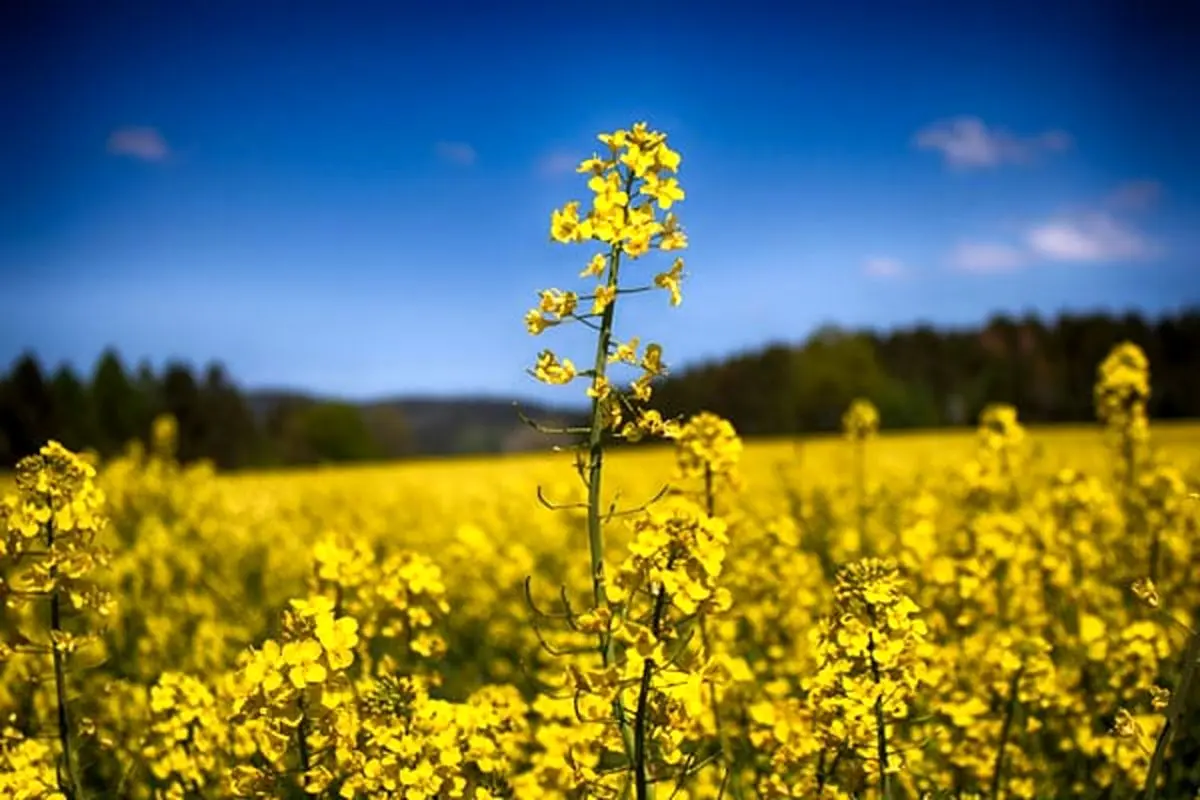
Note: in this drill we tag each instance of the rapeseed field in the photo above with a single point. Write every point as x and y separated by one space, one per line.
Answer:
1000 613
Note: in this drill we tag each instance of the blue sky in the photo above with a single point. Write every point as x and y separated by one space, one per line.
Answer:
354 198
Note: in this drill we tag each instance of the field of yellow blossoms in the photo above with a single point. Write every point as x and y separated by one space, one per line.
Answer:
1004 613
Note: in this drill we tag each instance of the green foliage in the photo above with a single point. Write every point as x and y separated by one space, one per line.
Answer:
120 411
215 419
328 432
923 377
26 406
74 413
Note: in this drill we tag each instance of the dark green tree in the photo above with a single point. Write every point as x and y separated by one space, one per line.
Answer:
117 405
74 415
27 409
328 432
232 439
389 430
181 399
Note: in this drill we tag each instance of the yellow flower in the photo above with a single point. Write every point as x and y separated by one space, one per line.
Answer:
339 638
535 323
666 192
594 165
302 662
626 352
600 388
564 224
608 192
652 361
615 140
670 281
861 420
549 370
1145 590
596 266
603 298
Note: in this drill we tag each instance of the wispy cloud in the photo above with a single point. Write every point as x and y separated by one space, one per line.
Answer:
1135 195
1096 233
1096 236
142 143
987 257
554 164
967 143
459 153
884 267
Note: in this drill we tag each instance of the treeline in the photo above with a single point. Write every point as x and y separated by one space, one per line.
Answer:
113 405
924 377
917 377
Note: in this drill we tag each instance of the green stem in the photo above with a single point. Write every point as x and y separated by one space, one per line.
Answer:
1174 716
1154 550
885 784
642 783
735 788
640 778
860 491
74 789
1129 500
595 528
825 776
1009 712
596 461
302 736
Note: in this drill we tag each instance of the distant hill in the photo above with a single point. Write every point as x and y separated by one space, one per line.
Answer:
441 425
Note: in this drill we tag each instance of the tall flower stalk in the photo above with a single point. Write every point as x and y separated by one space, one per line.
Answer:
1121 392
860 423
1172 704
48 554
633 191
708 447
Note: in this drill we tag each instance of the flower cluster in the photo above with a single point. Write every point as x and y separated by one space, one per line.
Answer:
707 447
871 660
1123 389
51 524
187 737
667 584
49 557
27 768
399 597
860 420
990 477
403 743
677 553
999 428
633 188
295 695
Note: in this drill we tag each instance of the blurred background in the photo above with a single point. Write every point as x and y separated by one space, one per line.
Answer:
310 230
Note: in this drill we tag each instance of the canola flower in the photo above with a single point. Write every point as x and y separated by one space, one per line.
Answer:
48 556
994 615
631 184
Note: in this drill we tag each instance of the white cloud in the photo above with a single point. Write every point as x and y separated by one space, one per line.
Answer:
986 257
967 143
144 144
459 153
1096 232
1096 236
553 165
883 267
1135 195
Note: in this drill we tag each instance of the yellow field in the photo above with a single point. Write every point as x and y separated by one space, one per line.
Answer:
1007 614
900 455
429 559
